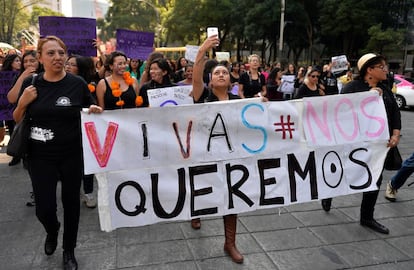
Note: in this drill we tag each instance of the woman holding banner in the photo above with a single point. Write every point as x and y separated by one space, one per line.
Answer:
219 91
53 100
372 72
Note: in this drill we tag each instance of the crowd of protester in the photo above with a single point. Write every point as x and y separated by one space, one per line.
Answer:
115 81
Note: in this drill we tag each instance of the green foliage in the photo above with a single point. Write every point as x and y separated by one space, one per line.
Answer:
38 11
381 39
130 14
320 28
14 17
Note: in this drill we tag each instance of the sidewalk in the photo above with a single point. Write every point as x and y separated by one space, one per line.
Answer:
296 237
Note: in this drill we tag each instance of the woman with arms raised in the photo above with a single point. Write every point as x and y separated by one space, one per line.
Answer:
219 91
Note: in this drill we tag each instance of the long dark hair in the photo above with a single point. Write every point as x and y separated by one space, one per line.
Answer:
164 66
272 75
86 68
8 61
34 54
111 57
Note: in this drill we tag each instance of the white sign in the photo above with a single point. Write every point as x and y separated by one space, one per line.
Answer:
176 163
191 52
170 96
288 84
339 63
222 56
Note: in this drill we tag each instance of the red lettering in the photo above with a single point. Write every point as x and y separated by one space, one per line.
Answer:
101 154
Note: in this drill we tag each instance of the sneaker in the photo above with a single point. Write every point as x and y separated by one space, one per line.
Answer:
89 200
390 193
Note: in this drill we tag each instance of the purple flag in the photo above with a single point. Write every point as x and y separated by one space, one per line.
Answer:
135 44
77 33
6 82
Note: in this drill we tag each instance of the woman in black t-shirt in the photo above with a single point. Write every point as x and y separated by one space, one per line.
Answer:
252 83
53 102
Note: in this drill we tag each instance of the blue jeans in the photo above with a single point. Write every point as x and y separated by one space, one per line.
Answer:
403 173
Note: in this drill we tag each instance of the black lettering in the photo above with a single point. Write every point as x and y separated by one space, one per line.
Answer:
332 168
197 170
139 208
145 152
310 168
158 209
223 133
263 165
234 189
363 164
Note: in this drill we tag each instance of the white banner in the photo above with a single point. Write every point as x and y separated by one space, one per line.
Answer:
176 163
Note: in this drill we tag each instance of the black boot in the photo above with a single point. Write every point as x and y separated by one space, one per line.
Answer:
374 225
51 242
326 204
14 161
69 260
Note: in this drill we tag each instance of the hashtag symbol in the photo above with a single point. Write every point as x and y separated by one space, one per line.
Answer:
285 127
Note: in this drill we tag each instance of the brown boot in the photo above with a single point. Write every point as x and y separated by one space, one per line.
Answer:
196 223
230 224
2 134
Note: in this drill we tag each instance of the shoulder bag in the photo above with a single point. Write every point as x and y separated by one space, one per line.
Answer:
393 161
19 139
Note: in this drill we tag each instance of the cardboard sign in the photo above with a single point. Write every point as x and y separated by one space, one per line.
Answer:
135 44
77 33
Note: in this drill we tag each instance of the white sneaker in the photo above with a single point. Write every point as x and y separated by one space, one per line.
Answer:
89 200
390 193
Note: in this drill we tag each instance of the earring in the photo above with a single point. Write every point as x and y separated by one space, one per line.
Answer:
369 78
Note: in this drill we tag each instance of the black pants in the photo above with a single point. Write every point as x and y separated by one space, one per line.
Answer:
88 183
369 199
10 124
45 175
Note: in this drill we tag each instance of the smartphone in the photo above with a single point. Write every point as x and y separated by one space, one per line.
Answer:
211 31
34 79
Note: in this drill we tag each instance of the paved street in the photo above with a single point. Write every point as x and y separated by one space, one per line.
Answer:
289 238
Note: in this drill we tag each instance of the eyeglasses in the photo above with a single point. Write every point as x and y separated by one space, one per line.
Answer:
314 76
70 64
383 68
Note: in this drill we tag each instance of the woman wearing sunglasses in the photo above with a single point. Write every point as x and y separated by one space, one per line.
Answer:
310 86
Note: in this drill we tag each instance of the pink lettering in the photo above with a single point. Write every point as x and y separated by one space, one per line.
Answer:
101 154
380 120
311 114
346 101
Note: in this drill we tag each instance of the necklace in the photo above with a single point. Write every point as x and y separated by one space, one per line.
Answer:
116 90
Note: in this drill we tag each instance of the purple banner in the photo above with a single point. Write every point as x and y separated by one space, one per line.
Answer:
6 82
135 44
77 33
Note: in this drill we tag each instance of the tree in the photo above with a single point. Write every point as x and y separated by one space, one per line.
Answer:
129 14
380 39
314 29
13 15
38 11
345 24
